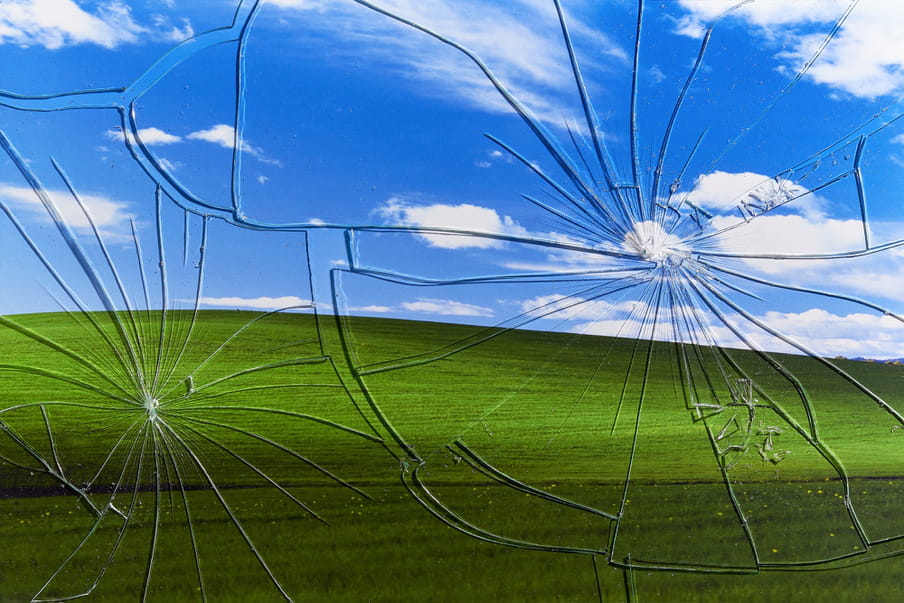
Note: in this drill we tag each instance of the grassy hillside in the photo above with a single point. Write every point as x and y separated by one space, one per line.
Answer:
555 411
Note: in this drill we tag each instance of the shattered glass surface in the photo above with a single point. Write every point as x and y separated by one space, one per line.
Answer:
451 300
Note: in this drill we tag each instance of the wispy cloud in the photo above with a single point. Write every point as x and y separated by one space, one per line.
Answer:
562 307
54 24
464 217
57 23
109 215
884 280
865 59
855 334
168 165
221 134
178 32
371 308
492 158
257 303
426 305
149 136
656 74
499 33
816 330
445 307
224 135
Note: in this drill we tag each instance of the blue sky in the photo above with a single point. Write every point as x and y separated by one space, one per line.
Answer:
347 117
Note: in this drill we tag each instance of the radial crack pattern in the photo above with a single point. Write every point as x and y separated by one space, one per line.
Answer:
655 247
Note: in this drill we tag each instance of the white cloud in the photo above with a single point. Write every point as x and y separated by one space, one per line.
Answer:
817 330
874 276
221 134
500 34
886 284
865 59
371 308
851 335
705 332
493 157
57 23
258 303
770 13
224 135
883 281
174 33
723 192
562 307
636 319
855 334
168 165
807 232
789 234
445 307
300 4
427 305
54 24
496 155
656 74
149 136
564 260
109 216
621 328
464 217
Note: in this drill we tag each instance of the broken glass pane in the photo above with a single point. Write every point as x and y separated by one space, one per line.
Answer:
457 300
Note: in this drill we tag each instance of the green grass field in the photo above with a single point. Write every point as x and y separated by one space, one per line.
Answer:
522 400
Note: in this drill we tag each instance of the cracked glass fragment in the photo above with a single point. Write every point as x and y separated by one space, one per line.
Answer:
161 396
612 287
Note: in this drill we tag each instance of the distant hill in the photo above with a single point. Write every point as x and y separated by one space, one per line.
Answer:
897 361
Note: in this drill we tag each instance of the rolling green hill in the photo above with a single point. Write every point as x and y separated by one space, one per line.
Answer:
256 408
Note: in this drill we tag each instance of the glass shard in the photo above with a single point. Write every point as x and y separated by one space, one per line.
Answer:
560 299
